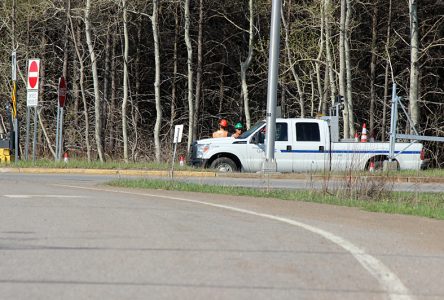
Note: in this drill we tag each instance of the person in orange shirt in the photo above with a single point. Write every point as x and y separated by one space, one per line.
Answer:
222 132
238 130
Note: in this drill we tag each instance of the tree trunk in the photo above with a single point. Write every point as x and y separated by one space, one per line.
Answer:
290 62
386 77
199 70
112 101
245 65
155 22
75 91
174 82
373 70
76 40
92 54
414 66
125 84
331 75
318 59
190 74
342 68
135 115
348 69
66 40
105 102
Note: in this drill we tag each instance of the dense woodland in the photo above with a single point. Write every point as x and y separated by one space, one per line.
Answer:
137 68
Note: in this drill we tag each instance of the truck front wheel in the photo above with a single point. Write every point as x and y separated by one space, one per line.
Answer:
224 164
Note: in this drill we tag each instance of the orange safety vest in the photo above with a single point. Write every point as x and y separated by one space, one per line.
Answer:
220 134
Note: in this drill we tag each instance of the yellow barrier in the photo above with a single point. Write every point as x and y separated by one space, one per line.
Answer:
5 155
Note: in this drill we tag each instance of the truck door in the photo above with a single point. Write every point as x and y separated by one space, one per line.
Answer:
310 151
282 152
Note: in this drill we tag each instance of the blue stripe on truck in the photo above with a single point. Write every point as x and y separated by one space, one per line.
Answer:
350 151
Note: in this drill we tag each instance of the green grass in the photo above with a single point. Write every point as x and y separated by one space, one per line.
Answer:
429 205
83 164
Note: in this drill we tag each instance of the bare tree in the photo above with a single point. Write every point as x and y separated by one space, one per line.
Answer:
92 54
373 68
322 106
286 25
348 68
199 70
174 79
331 75
190 74
342 67
245 65
125 83
76 39
386 75
414 62
155 25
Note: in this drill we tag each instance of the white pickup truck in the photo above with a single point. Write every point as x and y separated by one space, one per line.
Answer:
301 145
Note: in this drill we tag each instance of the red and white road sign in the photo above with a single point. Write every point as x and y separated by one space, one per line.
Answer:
62 91
33 74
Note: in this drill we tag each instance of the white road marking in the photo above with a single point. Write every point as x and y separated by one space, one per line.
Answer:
388 280
41 196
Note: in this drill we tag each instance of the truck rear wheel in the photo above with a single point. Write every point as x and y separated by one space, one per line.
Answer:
224 164
378 163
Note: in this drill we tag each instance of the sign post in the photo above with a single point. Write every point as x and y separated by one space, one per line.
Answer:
60 105
178 130
32 98
14 104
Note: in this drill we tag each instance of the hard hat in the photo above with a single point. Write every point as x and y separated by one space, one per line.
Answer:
238 126
223 123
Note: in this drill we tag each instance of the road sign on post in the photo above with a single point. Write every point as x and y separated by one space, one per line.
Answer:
32 97
33 74
178 130
33 83
62 91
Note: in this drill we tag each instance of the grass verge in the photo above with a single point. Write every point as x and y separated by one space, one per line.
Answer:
429 205
84 164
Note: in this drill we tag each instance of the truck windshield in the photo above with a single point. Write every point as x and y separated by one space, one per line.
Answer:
251 130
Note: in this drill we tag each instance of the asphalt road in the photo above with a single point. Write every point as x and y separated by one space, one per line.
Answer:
69 237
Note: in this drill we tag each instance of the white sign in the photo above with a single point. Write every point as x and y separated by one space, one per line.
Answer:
32 98
178 134
14 66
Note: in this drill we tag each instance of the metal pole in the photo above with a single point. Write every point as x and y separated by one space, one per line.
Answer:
61 133
28 121
34 142
393 122
57 134
175 141
273 73
16 138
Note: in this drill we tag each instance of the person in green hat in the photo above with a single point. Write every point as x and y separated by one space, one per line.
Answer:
237 130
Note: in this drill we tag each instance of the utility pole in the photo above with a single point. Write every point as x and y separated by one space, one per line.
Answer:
15 128
269 164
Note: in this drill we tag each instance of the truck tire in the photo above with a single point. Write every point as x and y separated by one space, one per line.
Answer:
224 164
379 163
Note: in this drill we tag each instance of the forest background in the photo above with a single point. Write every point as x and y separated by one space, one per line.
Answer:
137 68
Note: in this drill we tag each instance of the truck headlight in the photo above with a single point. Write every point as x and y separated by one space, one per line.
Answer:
201 149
